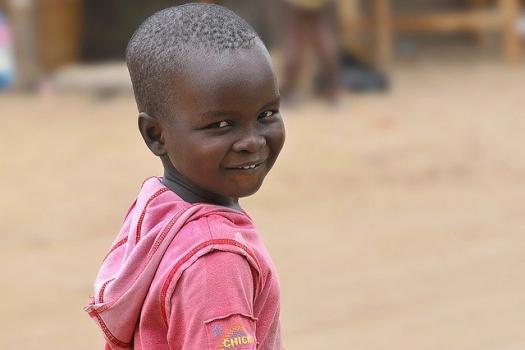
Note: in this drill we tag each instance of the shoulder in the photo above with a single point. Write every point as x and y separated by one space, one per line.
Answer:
222 222
202 261
219 262
217 283
218 230
216 262
219 268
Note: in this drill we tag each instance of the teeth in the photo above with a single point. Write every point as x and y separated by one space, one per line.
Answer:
248 167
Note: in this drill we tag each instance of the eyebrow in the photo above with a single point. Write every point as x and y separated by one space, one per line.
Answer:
212 113
275 101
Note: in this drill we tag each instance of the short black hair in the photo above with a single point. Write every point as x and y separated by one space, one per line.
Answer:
167 38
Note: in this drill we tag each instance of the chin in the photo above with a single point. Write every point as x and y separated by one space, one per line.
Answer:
245 192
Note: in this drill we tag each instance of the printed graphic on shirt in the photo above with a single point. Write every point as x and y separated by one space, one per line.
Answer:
233 332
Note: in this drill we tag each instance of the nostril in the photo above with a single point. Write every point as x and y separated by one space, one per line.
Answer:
250 143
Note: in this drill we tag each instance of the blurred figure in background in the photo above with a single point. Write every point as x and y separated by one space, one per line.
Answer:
310 22
6 59
315 23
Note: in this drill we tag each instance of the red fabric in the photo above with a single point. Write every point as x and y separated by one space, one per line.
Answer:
183 276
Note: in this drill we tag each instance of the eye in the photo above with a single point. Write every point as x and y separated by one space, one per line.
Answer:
267 114
219 125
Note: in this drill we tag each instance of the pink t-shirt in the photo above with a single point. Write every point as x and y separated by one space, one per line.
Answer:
186 276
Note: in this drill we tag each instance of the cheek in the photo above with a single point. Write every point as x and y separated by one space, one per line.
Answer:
203 153
276 137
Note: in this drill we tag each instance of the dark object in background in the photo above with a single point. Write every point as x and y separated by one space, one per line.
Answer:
360 76
356 76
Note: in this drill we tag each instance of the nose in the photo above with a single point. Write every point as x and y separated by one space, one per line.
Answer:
250 141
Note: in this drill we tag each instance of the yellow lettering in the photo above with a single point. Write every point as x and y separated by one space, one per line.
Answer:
235 341
228 343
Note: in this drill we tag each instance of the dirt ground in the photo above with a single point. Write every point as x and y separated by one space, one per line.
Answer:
396 221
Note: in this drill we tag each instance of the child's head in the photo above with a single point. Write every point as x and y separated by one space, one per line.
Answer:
207 97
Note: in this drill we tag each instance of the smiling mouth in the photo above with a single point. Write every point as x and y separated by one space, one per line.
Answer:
247 167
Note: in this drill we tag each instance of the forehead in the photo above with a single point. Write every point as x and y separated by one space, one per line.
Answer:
238 79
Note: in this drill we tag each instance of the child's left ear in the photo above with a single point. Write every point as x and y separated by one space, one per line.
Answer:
151 130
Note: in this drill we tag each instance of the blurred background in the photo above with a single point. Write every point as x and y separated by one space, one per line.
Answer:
395 214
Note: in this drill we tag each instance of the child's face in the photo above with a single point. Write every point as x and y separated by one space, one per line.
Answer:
225 131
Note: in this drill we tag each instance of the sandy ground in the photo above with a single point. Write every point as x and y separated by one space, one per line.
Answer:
396 221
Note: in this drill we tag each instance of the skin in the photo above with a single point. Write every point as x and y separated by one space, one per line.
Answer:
224 115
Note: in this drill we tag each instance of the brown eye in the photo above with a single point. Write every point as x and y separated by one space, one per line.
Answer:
219 125
267 114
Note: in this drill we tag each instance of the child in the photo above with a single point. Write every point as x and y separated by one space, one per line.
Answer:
188 269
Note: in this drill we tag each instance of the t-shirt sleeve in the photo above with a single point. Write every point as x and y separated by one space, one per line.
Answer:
212 305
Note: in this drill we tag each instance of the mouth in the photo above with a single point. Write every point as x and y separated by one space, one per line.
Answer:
247 166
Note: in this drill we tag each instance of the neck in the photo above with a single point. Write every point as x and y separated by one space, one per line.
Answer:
192 193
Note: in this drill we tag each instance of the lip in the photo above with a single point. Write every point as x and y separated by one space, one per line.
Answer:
244 166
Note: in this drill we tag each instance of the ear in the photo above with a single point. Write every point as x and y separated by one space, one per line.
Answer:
151 130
